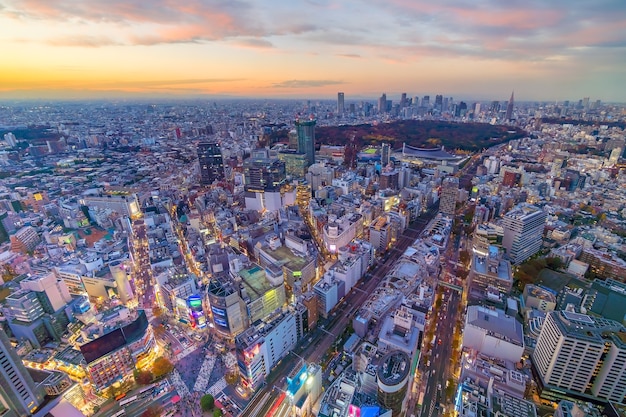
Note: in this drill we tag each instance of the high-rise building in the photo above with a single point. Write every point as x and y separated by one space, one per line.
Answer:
403 102
25 240
340 104
509 109
523 230
449 196
385 154
264 174
295 162
211 162
439 102
19 396
580 355
306 139
382 103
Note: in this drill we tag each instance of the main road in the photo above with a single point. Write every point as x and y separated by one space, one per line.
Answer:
437 370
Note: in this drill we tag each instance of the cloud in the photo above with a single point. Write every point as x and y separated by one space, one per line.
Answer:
83 41
153 22
349 55
306 83
254 43
169 83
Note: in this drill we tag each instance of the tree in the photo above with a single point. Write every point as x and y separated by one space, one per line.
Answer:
152 411
144 377
554 263
464 257
157 311
161 367
231 378
207 402
217 413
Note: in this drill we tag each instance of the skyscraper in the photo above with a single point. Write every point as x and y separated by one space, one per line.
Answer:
385 154
523 230
306 139
18 393
382 103
509 109
449 196
340 104
583 355
211 162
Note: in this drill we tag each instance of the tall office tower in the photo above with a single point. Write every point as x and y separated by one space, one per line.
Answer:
581 355
382 103
509 108
211 162
385 154
340 104
306 139
439 102
426 101
449 196
19 396
523 230
403 100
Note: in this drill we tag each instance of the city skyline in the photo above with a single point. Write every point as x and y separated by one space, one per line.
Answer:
313 49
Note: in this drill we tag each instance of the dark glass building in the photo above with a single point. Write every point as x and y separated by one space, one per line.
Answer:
211 162
306 139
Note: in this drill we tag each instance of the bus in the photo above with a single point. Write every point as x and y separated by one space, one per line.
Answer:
120 413
127 401
120 396
146 389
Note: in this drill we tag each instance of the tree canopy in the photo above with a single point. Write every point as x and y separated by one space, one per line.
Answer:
207 402
162 366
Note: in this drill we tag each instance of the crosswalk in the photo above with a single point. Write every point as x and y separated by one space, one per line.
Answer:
185 352
204 374
218 387
181 388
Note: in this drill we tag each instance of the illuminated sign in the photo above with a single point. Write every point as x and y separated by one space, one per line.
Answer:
354 411
297 274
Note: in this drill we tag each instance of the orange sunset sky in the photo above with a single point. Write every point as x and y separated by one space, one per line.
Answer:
542 49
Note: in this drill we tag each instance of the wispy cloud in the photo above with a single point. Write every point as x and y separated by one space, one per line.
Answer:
83 41
254 43
305 83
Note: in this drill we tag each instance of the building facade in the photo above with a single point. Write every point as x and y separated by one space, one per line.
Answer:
211 162
523 231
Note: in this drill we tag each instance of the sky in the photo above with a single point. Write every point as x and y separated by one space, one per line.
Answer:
483 49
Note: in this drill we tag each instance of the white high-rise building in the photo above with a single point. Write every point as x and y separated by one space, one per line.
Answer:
582 355
523 230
